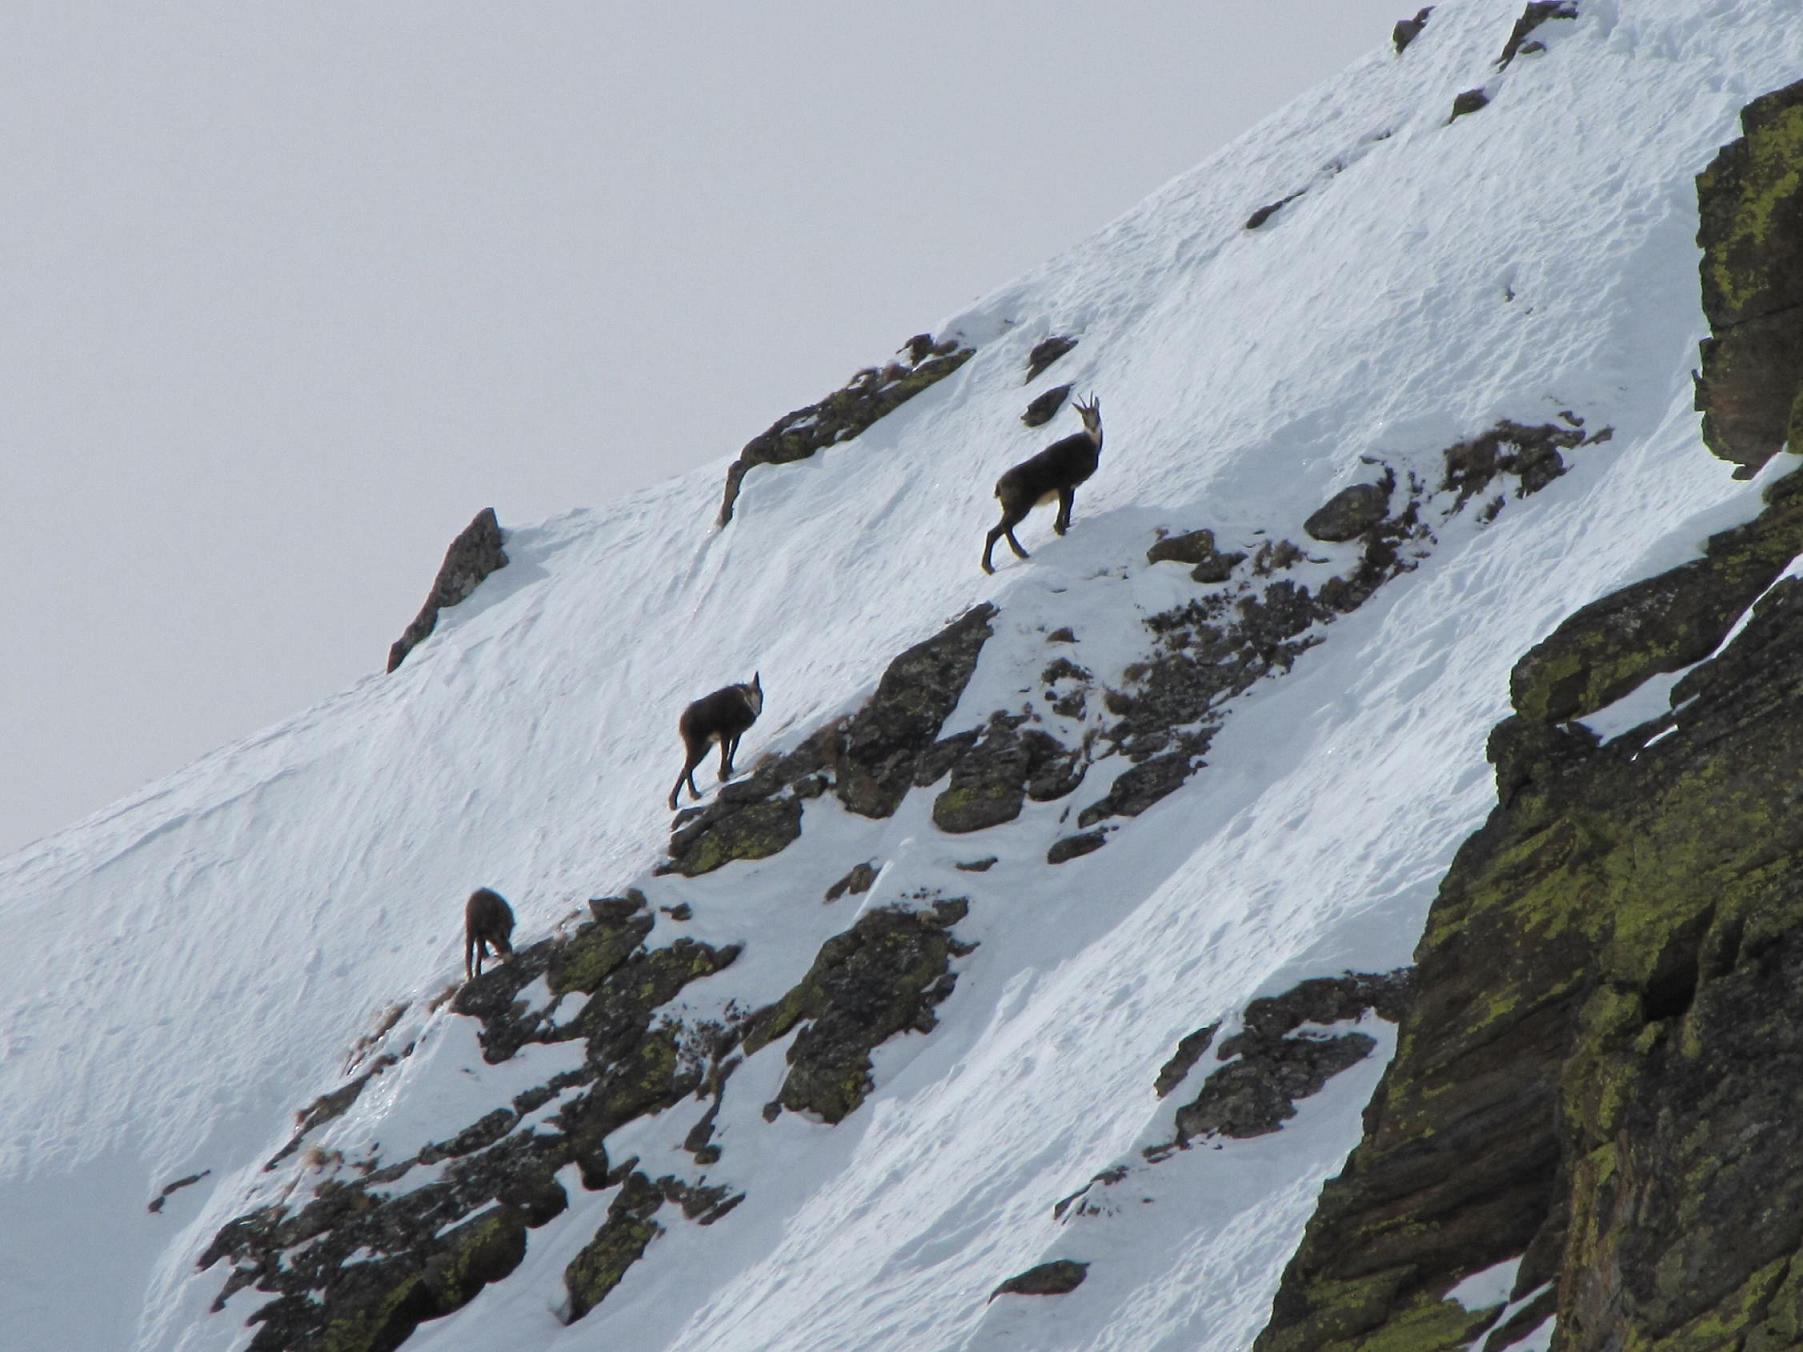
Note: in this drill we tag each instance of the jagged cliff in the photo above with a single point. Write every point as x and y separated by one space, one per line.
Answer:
1592 1107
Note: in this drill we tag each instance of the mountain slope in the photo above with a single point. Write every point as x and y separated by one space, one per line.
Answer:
204 955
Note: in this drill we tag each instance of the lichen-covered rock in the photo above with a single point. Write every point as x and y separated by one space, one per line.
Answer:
871 394
1074 847
1045 406
618 1244
1056 1278
1407 30
1349 513
1197 549
1468 102
881 977
1661 624
901 722
1045 352
1536 13
1270 1064
857 882
1750 229
1600 1070
754 831
473 555
993 776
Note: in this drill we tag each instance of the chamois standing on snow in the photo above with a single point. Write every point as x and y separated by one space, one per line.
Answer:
487 922
1054 473
720 717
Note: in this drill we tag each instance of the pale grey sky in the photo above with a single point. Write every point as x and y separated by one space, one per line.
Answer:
288 293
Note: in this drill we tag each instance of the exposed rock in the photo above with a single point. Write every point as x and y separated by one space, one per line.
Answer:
438 1242
1045 407
1349 513
1046 352
1270 209
1183 1060
473 555
856 883
871 394
901 721
1062 635
1273 1065
618 1244
1407 30
1196 548
1600 1070
1662 624
1138 787
994 775
1529 453
1468 102
754 831
1056 1278
1537 13
1750 202
157 1203
881 977
982 865
1071 847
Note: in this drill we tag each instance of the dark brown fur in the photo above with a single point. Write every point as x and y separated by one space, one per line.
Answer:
1054 472
720 717
487 922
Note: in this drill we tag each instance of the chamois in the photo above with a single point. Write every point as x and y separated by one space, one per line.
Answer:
1054 473
720 717
487 922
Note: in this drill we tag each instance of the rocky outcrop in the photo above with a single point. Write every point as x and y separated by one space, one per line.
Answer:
1750 200
871 394
1468 102
881 977
473 555
1407 30
1273 1061
1349 513
1056 1278
1045 407
1045 352
1604 1000
433 1245
1536 13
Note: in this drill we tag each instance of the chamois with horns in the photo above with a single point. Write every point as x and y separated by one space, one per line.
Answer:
487 923
720 717
1054 473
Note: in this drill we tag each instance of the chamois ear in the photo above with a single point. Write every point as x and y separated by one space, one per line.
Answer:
757 682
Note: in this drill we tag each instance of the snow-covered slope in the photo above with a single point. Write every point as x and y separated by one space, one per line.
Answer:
194 964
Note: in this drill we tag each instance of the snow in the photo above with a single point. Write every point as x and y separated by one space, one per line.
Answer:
196 962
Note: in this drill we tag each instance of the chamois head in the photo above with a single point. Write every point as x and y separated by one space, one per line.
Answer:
1091 413
754 694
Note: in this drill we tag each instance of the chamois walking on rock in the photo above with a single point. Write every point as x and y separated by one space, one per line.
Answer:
487 923
720 717
1054 473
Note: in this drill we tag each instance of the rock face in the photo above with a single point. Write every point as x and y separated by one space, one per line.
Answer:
881 977
1537 13
437 1243
1349 513
1407 30
1046 352
1045 406
1750 198
871 394
1605 999
1056 1278
473 555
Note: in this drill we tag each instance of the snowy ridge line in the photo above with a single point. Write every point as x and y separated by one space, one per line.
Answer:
305 881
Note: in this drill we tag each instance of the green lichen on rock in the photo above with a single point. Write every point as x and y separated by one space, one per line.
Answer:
1601 1068
618 1244
871 394
1750 229
755 831
879 978
1661 624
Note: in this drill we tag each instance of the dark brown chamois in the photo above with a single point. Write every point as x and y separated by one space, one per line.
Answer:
720 717
487 923
1054 473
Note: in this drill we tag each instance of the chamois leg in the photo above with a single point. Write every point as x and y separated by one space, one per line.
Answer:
687 777
1067 497
728 745
1005 527
469 958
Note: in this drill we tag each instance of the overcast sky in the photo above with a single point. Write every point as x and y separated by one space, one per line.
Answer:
288 293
